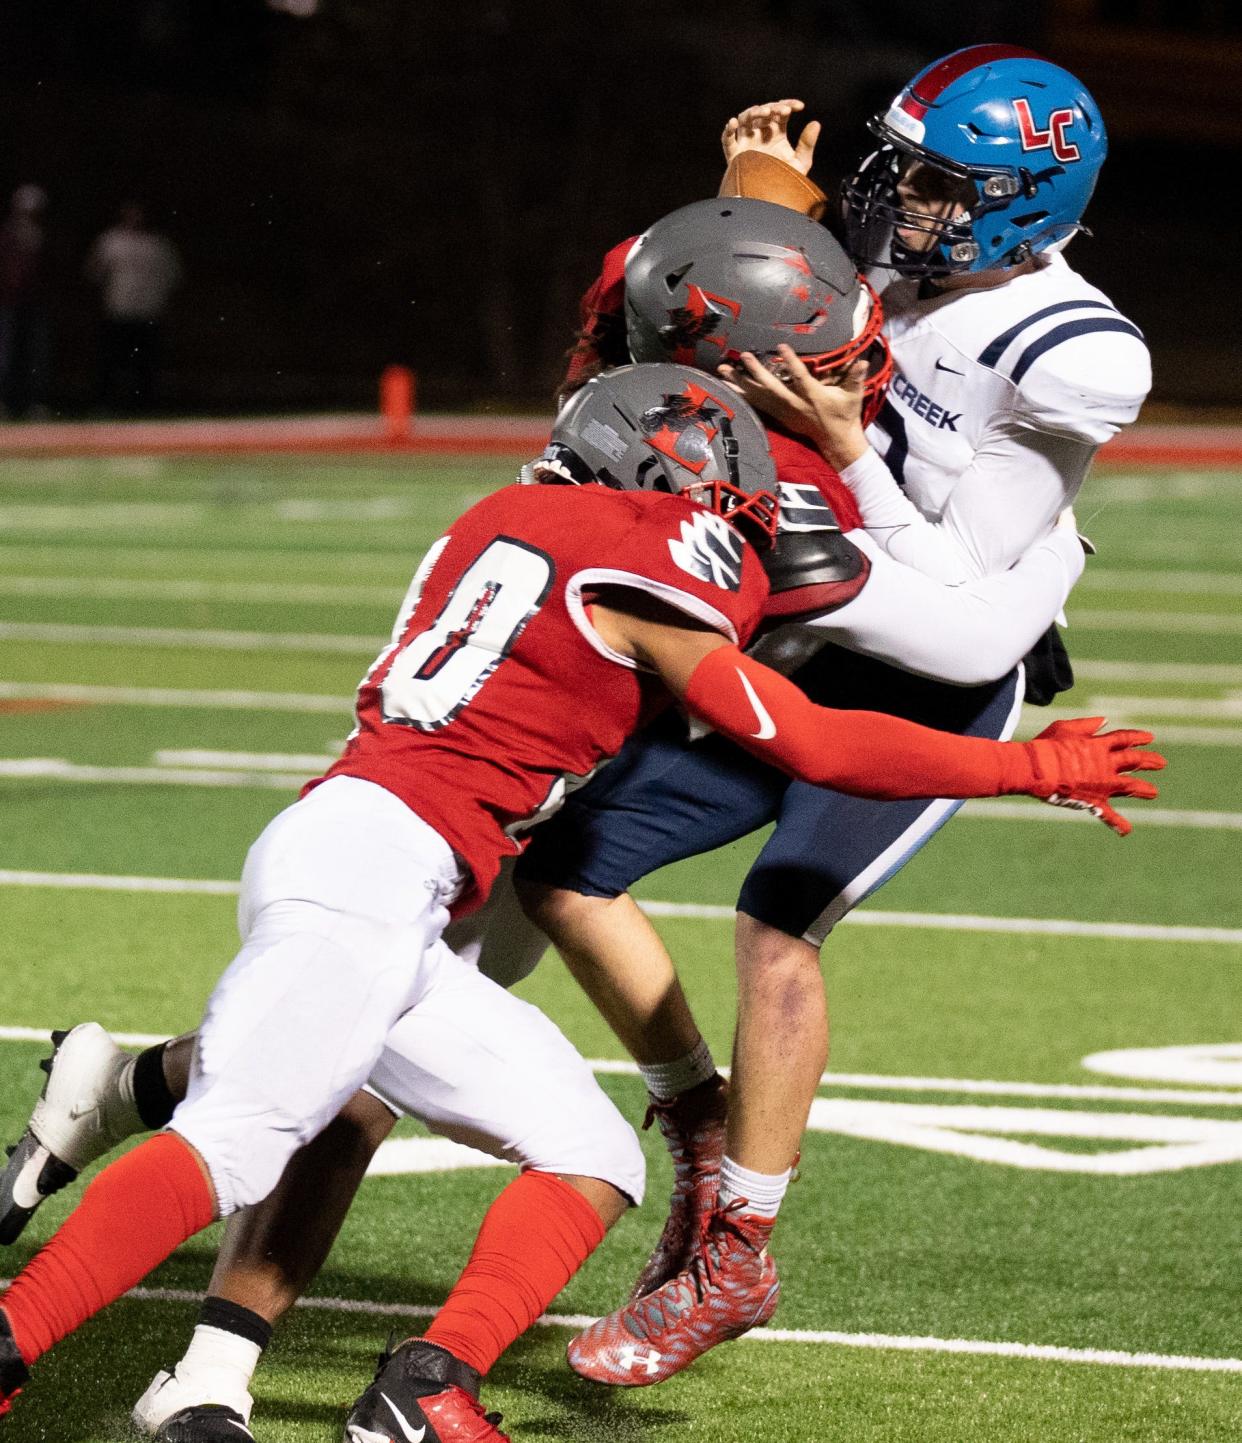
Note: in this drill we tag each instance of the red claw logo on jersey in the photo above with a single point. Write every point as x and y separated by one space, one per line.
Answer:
1052 137
497 695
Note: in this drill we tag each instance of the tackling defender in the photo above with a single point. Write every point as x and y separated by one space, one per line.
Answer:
347 892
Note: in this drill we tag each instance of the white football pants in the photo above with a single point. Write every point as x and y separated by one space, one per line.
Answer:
343 975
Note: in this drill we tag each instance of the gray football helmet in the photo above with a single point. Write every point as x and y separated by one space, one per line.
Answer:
724 276
666 428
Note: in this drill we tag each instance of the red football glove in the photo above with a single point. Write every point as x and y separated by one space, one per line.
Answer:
1073 767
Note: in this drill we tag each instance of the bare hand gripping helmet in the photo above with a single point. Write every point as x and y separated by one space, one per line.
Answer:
725 276
666 428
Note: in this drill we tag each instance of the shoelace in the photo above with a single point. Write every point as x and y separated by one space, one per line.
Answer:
690 1286
707 1258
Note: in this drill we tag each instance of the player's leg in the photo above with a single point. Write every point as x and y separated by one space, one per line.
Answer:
828 852
270 1255
660 801
291 1030
486 1069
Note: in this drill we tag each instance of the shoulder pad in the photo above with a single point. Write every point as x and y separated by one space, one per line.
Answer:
813 572
1088 387
1079 367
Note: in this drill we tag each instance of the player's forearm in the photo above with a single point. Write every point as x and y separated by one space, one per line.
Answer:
898 526
966 635
1005 501
866 754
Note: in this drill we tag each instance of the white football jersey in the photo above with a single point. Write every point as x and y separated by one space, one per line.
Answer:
999 398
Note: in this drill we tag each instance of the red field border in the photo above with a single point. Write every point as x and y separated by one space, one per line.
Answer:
500 436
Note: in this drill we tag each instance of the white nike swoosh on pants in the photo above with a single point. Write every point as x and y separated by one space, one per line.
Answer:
767 727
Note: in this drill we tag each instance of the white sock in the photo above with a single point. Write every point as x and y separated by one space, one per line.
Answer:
219 1363
669 1079
762 1191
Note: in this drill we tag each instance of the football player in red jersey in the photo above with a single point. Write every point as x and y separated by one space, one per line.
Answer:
518 664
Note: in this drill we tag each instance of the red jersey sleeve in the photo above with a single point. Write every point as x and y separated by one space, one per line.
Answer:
600 342
689 558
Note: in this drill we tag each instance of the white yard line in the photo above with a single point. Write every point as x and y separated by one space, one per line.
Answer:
1177 583
56 769
258 771
108 882
861 1081
703 911
881 1342
1226 708
163 589
309 762
987 809
1132 715
94 587
67 633
1200 583
1200 622
1190 673
87 695
72 633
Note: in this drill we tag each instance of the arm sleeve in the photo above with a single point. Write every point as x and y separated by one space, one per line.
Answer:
1008 497
967 635
867 754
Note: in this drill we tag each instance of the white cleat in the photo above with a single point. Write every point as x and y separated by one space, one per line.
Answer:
169 1395
81 1114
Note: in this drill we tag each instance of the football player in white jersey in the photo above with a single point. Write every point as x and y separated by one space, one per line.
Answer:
1009 371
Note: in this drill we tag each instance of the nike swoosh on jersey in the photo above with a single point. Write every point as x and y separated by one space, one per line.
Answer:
940 366
767 727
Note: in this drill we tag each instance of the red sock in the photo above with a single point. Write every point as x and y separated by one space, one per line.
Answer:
535 1237
131 1217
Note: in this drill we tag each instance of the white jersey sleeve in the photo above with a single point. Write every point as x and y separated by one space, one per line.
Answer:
1011 494
1088 387
967 635
1000 396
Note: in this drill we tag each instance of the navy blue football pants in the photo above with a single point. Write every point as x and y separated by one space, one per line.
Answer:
664 798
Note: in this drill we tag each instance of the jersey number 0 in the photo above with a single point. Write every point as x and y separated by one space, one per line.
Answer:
440 669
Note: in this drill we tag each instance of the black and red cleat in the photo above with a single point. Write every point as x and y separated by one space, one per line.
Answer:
693 1124
730 1287
13 1371
422 1394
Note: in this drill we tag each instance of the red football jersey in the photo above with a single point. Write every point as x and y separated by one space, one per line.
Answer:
497 694
600 344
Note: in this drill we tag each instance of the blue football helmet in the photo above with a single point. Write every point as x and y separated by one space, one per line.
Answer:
1014 140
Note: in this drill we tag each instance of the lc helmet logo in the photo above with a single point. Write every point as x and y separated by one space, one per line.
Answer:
972 123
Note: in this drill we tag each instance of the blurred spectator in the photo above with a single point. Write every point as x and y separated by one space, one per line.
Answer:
24 331
137 271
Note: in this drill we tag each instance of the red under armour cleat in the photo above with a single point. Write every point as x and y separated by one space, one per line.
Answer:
422 1394
730 1287
693 1124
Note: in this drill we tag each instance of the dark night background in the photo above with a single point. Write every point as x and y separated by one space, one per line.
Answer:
389 180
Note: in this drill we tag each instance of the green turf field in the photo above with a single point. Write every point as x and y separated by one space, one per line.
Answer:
179 640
